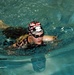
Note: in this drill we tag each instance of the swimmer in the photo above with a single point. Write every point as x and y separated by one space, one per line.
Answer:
33 35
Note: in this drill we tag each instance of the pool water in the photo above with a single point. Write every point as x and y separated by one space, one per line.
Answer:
57 18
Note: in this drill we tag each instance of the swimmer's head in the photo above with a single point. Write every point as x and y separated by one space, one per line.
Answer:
35 27
36 32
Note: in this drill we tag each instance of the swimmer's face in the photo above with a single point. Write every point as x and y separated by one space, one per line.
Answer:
37 38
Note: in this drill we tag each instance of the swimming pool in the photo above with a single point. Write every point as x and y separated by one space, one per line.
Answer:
57 18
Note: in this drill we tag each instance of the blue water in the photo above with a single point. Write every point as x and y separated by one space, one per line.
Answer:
57 18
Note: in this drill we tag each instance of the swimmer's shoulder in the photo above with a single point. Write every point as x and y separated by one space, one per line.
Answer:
22 37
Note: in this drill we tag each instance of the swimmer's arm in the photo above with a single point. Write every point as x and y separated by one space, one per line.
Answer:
47 38
12 46
15 45
20 41
18 44
51 39
3 25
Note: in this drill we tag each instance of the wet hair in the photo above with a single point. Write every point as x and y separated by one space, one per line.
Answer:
14 32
